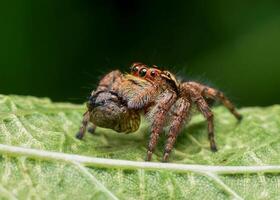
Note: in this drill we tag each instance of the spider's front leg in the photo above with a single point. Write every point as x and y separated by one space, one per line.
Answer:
159 115
181 112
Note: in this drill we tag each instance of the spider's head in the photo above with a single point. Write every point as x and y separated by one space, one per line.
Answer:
143 71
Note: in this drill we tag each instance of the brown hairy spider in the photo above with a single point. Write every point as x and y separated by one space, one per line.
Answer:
163 99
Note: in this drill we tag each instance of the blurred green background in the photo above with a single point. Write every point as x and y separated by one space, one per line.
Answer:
59 49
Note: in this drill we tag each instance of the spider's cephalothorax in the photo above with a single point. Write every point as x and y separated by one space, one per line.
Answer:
165 101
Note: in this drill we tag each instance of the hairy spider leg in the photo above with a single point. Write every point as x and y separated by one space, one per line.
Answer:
203 107
209 116
217 95
179 117
161 110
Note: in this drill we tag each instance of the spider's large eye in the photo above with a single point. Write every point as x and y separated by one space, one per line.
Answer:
143 72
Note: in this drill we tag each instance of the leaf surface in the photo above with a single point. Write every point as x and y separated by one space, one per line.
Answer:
47 127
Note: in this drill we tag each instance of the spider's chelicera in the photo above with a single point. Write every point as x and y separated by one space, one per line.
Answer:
121 98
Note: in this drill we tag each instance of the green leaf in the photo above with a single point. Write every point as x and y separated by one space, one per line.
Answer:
40 158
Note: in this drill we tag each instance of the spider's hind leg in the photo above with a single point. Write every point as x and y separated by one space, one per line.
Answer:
217 95
208 114
211 93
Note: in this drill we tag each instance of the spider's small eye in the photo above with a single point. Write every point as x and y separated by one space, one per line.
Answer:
135 69
143 72
153 73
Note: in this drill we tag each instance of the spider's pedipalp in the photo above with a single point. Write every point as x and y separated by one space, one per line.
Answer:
177 121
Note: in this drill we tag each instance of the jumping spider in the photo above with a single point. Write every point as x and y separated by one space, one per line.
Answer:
121 98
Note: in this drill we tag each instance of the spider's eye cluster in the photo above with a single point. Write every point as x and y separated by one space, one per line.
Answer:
142 72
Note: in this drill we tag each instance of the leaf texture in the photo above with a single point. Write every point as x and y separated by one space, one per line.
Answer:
39 124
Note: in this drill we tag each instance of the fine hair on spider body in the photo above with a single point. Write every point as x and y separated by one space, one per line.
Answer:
163 99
